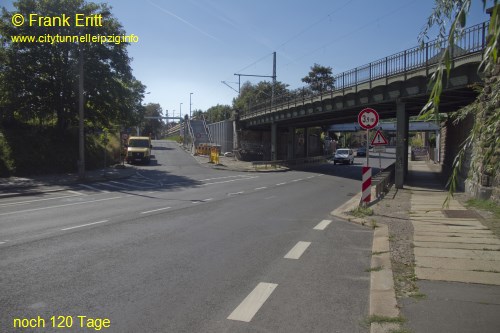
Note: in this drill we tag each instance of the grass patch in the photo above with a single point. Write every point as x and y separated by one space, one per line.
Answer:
418 295
361 212
374 269
487 205
373 224
384 320
401 330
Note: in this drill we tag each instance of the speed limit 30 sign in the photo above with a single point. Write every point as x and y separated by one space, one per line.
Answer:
368 118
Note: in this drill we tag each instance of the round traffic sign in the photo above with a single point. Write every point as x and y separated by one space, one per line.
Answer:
368 118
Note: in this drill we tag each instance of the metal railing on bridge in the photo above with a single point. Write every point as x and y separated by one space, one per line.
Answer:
471 41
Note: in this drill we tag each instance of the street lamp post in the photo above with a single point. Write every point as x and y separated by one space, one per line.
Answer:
180 110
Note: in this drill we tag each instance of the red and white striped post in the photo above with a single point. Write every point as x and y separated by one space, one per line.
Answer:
366 185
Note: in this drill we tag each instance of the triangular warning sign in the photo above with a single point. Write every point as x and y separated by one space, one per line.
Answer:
379 139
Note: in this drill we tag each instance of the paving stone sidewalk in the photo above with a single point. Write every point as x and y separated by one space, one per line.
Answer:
457 262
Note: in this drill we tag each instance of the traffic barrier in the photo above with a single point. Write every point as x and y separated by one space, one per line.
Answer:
214 154
366 185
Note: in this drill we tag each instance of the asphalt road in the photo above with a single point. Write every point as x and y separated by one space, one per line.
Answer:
181 247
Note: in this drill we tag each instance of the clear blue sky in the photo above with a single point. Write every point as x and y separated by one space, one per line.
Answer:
192 45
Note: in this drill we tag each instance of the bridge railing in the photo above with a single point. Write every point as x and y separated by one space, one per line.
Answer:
472 40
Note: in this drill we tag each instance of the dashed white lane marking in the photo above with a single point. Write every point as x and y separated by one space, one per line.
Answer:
310 177
155 210
253 302
200 201
281 184
84 225
297 251
58 206
322 225
297 180
260 188
2 243
235 193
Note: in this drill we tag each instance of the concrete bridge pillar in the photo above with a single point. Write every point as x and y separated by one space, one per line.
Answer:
402 126
290 154
274 140
306 142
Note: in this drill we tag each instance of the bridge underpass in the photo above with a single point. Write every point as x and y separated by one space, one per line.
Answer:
396 86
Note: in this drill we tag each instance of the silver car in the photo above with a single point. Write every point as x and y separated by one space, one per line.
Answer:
343 155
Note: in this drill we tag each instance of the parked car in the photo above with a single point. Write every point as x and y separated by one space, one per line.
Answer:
361 151
343 155
138 149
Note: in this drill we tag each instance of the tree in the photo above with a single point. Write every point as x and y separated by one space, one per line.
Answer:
260 93
320 79
484 134
39 81
152 127
218 113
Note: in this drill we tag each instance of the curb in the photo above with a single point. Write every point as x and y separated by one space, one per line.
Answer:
382 294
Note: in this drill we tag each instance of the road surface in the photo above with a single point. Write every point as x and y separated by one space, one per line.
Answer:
180 247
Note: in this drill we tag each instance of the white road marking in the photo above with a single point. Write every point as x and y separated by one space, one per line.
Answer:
58 206
297 180
260 188
204 180
310 177
297 251
93 188
141 182
322 225
280 184
228 181
75 192
2 243
36 200
155 210
85 225
253 302
235 193
130 185
114 186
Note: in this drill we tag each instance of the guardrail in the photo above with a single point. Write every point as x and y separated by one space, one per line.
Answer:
290 163
384 180
471 41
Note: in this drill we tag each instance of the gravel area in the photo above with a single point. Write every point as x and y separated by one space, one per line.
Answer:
393 211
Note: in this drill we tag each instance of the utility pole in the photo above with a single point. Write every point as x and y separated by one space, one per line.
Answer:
190 94
270 76
274 79
81 136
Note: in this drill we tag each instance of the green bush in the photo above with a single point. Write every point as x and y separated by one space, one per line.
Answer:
7 166
35 150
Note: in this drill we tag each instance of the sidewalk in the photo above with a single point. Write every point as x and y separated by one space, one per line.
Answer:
438 268
457 262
